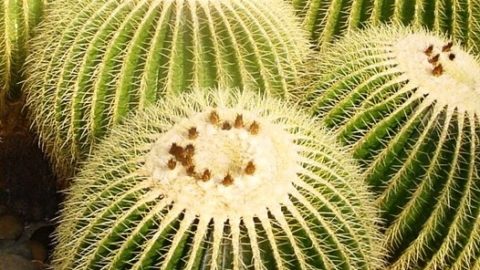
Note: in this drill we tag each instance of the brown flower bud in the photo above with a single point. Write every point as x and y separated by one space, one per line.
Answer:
254 128
250 169
214 118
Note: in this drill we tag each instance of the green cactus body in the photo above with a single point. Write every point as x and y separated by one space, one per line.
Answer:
407 101
218 180
17 19
326 20
109 57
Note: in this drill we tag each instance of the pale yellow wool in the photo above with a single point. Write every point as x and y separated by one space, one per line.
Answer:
457 87
226 152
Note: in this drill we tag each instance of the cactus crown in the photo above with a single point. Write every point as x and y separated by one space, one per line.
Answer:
223 162
406 101
444 72
222 180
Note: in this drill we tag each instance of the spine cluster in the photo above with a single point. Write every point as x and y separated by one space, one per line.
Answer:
157 192
106 58
407 102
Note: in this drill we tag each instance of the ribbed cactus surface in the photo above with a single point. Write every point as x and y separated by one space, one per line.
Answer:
407 101
17 19
218 180
96 60
327 20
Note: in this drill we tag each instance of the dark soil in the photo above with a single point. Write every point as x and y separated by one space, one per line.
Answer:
27 184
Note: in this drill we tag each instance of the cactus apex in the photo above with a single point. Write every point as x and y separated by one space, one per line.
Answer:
287 196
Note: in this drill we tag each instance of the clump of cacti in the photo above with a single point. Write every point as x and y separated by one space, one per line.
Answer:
17 19
327 20
218 180
407 101
106 58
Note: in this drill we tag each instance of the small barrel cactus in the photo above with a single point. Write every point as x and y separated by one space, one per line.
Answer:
407 101
218 180
17 19
325 20
108 57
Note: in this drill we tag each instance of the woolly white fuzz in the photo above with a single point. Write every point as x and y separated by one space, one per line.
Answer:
222 152
457 85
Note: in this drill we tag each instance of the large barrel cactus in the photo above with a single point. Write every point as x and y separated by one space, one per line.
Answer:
407 101
218 180
17 19
108 57
326 20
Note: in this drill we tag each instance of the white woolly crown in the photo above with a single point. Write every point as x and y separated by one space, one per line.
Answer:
224 163
440 69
